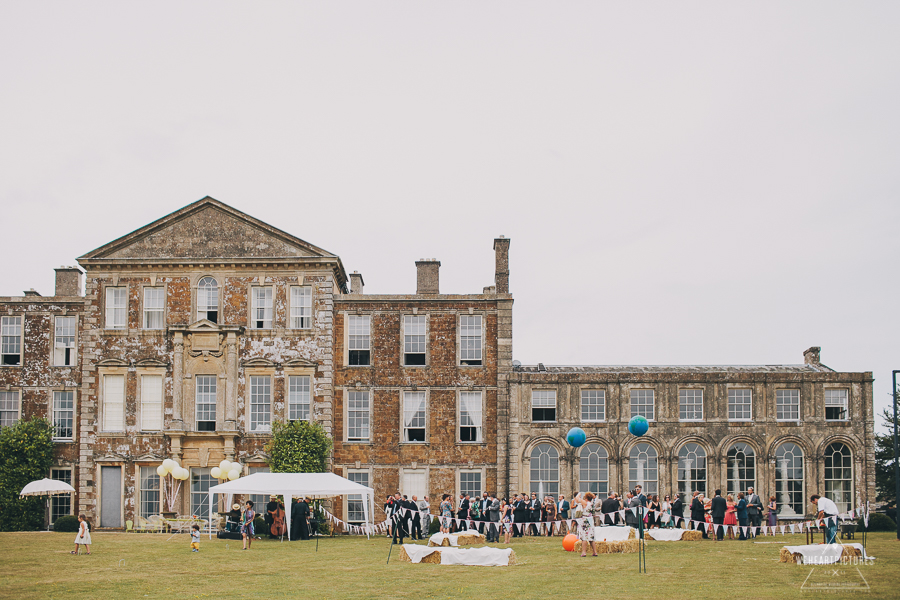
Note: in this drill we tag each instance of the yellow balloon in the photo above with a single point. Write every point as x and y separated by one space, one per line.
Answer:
232 475
225 465
216 472
161 471
169 464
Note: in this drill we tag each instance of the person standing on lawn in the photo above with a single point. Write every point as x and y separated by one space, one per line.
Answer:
677 511
826 510
741 507
520 512
586 528
754 510
718 508
610 510
83 537
698 515
247 524
195 538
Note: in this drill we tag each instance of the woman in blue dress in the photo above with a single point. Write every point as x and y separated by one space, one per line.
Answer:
247 524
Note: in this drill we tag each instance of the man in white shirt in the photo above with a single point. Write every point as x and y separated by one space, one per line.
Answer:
826 509
423 514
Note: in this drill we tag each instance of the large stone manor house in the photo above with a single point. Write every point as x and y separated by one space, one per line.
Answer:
193 334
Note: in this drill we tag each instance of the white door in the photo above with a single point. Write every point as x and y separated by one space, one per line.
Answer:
110 496
414 484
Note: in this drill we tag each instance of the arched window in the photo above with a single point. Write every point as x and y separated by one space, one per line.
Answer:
741 469
593 469
545 470
789 480
642 468
691 469
208 300
839 475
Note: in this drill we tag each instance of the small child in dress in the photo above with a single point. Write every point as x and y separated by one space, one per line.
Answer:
195 538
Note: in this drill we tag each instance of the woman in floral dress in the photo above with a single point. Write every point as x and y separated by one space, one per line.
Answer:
247 524
586 527
446 513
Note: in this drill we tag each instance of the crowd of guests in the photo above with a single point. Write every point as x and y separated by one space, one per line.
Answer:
526 514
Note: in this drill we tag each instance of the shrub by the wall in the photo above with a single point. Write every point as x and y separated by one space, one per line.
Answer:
878 522
66 523
26 455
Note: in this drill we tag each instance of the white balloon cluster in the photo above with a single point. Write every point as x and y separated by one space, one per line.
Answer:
227 470
170 467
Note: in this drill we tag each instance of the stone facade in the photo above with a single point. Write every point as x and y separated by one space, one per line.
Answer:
198 331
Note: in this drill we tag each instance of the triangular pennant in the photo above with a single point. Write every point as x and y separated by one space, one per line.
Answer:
792 528
765 530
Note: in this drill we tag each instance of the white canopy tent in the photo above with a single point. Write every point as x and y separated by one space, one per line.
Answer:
294 485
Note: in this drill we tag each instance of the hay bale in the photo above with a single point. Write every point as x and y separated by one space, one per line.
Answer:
404 557
785 556
469 539
632 534
512 558
691 535
432 559
444 542
621 547
851 552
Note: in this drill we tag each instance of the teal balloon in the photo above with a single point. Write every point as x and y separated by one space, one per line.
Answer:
638 425
576 437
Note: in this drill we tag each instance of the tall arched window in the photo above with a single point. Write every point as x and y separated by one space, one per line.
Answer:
208 300
839 475
789 480
691 469
643 469
593 469
545 470
741 469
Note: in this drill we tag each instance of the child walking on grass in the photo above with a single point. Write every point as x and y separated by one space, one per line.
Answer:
83 537
195 538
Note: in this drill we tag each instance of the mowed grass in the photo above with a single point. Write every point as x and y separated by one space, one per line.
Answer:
38 565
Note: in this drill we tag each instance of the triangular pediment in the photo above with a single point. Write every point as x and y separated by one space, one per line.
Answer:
258 362
203 325
112 362
210 231
300 362
148 457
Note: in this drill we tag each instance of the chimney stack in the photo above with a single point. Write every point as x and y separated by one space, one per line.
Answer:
427 276
811 355
356 283
501 272
68 281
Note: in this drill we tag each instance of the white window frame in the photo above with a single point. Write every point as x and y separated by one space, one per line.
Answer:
407 490
301 300
58 411
687 404
639 408
475 494
56 498
150 308
298 390
112 402
65 338
10 407
151 471
202 497
116 307
361 411
205 395
204 308
544 400
359 338
152 404
11 339
781 401
471 327
552 486
649 486
600 405
351 475
415 340
419 401
470 415
596 452
735 402
844 402
262 307
259 411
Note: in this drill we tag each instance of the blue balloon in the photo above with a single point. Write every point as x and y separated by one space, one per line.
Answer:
576 437
638 425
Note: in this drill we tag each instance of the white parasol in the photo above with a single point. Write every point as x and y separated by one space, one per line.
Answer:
46 487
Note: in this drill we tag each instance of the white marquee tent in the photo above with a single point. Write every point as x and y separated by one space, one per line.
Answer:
293 485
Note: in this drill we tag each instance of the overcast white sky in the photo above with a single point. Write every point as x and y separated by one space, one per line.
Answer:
683 183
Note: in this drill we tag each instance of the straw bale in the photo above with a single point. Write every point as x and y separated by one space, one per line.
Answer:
444 542
404 557
786 557
632 534
623 547
850 552
432 559
691 535
469 539
512 558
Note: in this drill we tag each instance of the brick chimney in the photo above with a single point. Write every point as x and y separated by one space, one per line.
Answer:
428 276
68 281
501 271
811 355
356 283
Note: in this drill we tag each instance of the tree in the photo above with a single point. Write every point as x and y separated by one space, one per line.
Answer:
26 454
298 447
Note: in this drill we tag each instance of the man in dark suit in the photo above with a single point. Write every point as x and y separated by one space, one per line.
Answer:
520 512
534 513
741 507
678 510
698 515
717 510
415 522
462 512
485 507
399 518
492 528
754 510
632 501
610 509
639 492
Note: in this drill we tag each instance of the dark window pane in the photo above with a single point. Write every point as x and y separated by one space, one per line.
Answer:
359 357
415 435
468 434
476 362
543 414
206 425
414 359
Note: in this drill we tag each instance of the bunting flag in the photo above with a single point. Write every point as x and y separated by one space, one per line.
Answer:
622 514
765 529
792 528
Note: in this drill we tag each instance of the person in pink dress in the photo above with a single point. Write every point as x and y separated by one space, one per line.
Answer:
730 516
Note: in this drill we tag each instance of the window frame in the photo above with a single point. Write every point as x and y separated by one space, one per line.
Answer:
479 429
73 355
554 408
601 456
215 403
846 404
309 391
20 339
779 405
602 405
291 307
106 375
141 490
145 312
690 480
108 306
270 289
367 412
56 498
802 479
54 410
143 404
218 307
470 362
639 392
349 319
403 426
17 394
403 341
683 394
203 505
470 471
348 498
729 393
740 448
254 425
646 487
549 483
830 451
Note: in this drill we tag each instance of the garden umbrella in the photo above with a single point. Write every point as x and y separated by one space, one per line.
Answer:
46 487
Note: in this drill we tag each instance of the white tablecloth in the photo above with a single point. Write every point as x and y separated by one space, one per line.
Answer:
664 535
822 554
612 533
479 557
438 538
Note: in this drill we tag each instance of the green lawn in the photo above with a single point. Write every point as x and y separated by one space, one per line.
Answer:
38 565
